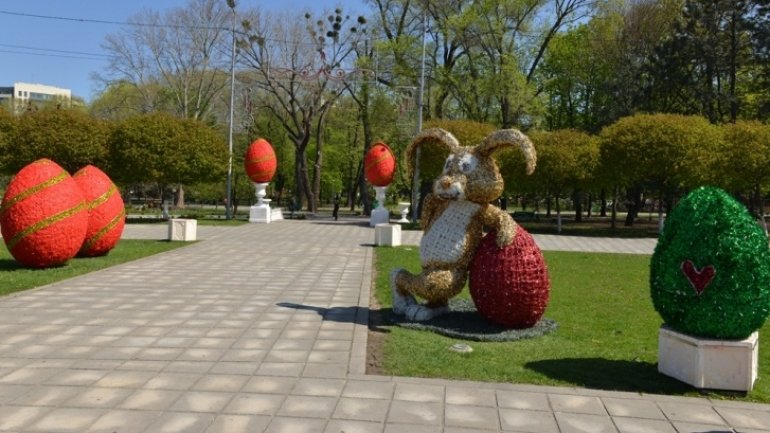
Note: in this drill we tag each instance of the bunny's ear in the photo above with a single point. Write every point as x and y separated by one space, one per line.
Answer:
438 136
505 138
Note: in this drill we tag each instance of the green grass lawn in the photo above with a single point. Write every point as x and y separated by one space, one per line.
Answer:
15 277
607 336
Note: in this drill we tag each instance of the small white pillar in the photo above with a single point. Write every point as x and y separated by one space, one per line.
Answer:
182 229
709 364
380 215
403 207
387 235
260 212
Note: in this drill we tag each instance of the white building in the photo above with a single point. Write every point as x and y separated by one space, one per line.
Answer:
24 95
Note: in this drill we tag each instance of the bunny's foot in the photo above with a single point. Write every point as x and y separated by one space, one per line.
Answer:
400 302
421 313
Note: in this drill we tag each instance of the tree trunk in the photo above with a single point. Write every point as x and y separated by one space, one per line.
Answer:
636 204
319 143
577 199
548 205
179 197
603 197
614 207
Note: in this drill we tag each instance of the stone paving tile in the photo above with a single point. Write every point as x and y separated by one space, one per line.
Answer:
642 425
411 428
123 421
238 424
327 371
255 404
415 412
66 420
150 399
576 404
202 401
17 418
470 396
308 406
99 397
368 389
349 426
419 393
744 418
691 413
581 422
685 427
632 408
522 400
471 417
362 409
181 423
318 387
47 395
528 421
221 382
295 425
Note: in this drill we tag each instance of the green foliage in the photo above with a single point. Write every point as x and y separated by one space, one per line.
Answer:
670 151
72 138
710 228
7 127
160 148
746 145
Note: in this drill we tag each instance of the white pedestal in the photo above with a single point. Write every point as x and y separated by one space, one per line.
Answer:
709 364
260 213
182 229
387 235
276 214
380 215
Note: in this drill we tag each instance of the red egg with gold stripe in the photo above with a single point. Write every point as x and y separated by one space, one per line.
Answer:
106 212
43 215
260 162
379 165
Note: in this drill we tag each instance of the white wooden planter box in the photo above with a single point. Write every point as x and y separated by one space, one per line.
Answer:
709 364
182 229
387 235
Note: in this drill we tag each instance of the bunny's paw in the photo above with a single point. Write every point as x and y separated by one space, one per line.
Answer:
400 302
421 313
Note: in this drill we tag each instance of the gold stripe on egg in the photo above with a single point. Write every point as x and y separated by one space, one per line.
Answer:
32 191
259 159
102 198
104 230
44 223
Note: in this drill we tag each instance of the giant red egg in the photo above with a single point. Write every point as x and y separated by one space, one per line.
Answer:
510 286
106 212
379 165
260 161
43 215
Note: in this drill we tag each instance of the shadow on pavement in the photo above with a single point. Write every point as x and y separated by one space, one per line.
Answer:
357 315
609 374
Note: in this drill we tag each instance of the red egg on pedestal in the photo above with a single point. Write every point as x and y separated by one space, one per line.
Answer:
379 165
43 215
106 212
510 286
260 161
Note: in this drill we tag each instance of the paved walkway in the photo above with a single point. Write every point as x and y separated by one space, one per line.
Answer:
226 336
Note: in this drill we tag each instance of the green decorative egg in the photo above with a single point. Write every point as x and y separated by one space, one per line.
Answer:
710 273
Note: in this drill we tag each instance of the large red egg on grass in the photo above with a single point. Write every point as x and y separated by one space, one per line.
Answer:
510 286
379 165
106 212
43 215
260 162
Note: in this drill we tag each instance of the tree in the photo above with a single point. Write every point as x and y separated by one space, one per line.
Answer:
174 61
120 100
299 69
741 165
160 148
663 152
7 127
71 138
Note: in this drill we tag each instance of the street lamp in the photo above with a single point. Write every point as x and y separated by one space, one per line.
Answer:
416 175
229 205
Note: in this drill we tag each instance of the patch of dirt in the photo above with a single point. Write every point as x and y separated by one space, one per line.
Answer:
375 338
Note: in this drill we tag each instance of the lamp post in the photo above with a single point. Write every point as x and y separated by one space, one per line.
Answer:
229 205
416 176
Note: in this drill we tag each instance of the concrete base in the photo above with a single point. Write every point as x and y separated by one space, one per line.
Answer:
260 214
182 229
387 235
276 214
709 364
380 215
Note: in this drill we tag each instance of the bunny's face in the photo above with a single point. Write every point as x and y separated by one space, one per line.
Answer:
467 176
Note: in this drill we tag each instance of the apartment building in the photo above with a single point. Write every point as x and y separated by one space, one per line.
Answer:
23 96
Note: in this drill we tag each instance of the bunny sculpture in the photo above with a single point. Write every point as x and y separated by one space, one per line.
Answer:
454 217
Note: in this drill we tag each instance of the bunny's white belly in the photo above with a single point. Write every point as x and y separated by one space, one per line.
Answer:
445 241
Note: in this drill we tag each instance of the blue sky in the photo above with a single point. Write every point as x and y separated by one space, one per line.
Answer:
64 53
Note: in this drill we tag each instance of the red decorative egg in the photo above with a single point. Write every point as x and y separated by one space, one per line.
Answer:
106 212
43 215
260 161
379 165
510 286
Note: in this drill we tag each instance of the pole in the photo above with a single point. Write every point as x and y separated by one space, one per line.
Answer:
229 205
416 174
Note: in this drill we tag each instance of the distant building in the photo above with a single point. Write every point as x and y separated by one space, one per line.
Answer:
24 96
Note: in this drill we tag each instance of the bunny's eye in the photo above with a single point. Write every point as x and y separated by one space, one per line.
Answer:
465 167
